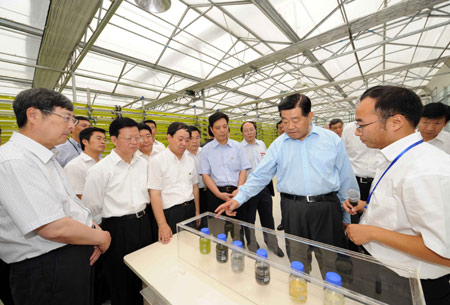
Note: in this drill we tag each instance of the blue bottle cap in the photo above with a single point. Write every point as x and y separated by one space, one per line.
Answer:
205 230
222 237
237 243
297 266
333 278
261 252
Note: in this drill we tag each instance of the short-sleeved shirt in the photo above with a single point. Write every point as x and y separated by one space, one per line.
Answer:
254 152
412 198
201 184
173 177
34 191
68 151
223 162
76 171
116 188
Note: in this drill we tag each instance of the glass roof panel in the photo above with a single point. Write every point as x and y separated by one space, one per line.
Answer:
32 13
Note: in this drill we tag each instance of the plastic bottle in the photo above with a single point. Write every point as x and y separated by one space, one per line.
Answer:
222 250
262 269
237 258
297 284
205 243
331 296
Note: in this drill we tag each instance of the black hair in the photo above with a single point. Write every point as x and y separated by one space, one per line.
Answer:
81 118
150 121
392 100
214 118
194 128
296 100
335 121
254 125
175 126
279 122
86 134
40 98
142 126
120 123
436 111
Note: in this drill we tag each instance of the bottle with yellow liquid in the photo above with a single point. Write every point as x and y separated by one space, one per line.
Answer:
205 243
297 284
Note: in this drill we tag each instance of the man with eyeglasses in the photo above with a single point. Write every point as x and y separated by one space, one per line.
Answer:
116 192
406 218
313 176
46 233
72 147
147 147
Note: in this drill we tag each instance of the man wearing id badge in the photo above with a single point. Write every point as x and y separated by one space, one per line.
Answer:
406 219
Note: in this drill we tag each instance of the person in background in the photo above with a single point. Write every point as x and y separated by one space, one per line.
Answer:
173 183
255 150
327 125
406 218
93 143
46 233
336 125
434 118
147 149
116 192
280 128
72 147
314 175
158 146
223 166
193 150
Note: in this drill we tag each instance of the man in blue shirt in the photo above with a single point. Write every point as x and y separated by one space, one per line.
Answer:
314 174
223 166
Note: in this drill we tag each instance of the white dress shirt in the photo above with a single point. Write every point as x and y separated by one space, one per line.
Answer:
76 171
254 152
173 177
160 146
34 191
361 157
201 184
413 199
442 141
152 154
115 188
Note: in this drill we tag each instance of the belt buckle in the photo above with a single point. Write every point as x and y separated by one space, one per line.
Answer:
140 214
308 198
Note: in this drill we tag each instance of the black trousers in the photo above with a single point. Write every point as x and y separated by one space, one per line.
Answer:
127 235
179 213
61 276
236 232
262 203
5 289
318 221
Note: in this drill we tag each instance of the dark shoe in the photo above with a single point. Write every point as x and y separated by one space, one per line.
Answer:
280 227
278 252
253 247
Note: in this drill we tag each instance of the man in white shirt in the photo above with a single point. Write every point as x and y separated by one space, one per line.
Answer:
152 125
46 233
93 143
173 183
72 147
116 192
255 150
193 150
434 118
407 219
147 147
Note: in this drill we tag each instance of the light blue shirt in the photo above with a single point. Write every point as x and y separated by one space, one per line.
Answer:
68 151
254 152
317 165
223 162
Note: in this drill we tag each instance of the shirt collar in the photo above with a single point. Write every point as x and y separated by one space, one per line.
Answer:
245 143
116 158
86 157
313 130
393 150
39 150
215 143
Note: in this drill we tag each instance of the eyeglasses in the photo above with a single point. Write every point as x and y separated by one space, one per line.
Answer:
361 126
66 118
146 137
133 139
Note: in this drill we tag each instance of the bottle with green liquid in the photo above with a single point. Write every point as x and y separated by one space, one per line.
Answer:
205 243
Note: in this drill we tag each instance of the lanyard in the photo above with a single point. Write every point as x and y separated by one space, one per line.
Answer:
390 165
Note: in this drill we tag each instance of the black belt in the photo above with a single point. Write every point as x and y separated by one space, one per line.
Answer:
184 204
136 215
365 180
315 198
228 188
